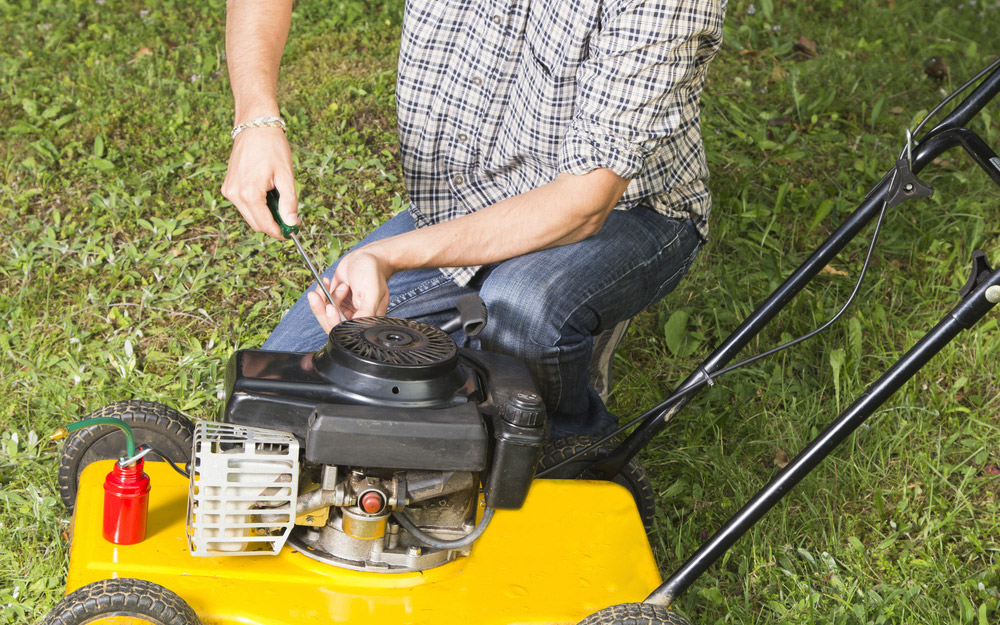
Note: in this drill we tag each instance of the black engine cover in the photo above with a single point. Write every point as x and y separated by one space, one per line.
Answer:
450 439
397 394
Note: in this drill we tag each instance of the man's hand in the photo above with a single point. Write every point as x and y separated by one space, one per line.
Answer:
359 286
261 161
256 31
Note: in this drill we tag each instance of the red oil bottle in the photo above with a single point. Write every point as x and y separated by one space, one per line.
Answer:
126 504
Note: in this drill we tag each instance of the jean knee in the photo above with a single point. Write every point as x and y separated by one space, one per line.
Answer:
508 327
529 325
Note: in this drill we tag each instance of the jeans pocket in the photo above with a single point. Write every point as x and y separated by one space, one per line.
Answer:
421 288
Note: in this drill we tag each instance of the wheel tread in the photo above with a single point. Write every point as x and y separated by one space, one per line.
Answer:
635 614
122 594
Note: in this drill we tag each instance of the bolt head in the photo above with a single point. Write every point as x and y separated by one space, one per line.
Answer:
993 294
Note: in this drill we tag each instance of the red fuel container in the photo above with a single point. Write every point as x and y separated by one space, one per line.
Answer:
126 504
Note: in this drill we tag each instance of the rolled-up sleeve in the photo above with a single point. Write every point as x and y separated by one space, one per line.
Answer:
641 83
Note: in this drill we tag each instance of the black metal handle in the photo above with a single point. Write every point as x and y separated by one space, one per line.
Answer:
969 311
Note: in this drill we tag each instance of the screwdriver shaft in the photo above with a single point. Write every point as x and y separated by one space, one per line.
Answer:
316 275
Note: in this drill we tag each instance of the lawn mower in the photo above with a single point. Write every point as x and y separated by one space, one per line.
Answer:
391 477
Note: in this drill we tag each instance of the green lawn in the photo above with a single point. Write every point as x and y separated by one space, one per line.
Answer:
125 274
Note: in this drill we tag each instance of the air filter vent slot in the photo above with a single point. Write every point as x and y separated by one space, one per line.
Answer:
244 484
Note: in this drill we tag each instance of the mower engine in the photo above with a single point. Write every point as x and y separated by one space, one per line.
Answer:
379 452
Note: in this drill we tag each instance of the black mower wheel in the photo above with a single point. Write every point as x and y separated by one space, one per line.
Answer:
122 600
635 614
632 476
154 424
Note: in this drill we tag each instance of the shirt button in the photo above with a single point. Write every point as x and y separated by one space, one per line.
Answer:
497 19
459 179
476 80
463 138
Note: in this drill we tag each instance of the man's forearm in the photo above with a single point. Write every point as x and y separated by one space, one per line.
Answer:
256 31
568 209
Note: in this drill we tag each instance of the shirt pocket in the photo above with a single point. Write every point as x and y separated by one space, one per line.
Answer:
557 34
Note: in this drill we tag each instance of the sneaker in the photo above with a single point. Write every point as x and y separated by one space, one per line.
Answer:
605 345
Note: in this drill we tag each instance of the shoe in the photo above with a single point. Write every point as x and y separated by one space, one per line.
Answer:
605 345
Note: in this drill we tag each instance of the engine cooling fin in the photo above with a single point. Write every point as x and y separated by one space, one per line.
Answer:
392 341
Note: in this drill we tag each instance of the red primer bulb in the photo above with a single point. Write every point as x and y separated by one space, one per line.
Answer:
372 502
126 504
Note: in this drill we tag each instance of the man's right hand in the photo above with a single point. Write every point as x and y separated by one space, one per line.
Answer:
261 160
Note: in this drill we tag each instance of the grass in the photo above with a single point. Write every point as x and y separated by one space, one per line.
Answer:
123 273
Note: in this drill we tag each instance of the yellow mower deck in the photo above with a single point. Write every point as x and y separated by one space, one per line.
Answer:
574 548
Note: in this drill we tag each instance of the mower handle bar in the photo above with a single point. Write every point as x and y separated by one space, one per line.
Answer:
946 135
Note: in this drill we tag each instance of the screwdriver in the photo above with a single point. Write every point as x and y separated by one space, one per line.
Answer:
290 232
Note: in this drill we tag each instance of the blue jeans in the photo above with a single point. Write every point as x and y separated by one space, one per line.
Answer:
543 308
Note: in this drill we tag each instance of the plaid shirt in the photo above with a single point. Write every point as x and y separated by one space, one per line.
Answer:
495 98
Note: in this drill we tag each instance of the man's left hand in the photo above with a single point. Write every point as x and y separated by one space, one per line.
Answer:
359 287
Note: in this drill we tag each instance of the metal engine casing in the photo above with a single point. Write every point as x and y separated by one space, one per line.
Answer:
392 406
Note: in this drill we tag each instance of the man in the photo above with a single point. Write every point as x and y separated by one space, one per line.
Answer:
552 155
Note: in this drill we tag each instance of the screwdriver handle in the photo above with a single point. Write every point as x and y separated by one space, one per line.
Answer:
272 204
